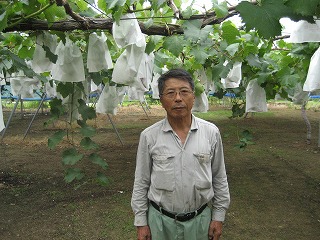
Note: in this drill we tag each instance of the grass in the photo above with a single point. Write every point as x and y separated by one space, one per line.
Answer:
119 218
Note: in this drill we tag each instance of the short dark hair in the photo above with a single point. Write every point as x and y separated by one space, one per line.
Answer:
175 73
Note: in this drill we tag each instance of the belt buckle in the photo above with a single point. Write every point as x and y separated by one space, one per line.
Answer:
188 216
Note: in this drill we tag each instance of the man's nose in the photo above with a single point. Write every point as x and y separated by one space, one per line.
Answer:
177 97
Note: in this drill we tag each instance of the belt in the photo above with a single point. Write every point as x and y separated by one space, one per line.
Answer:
181 217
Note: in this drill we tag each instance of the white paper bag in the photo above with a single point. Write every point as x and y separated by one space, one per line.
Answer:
144 75
135 94
69 66
305 32
312 82
255 97
24 86
154 86
108 100
121 91
51 91
98 53
201 103
40 62
234 77
297 95
95 88
128 32
127 65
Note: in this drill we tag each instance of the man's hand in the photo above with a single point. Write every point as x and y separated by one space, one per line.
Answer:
215 230
144 233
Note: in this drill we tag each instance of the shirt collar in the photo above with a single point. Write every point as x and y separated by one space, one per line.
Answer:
167 127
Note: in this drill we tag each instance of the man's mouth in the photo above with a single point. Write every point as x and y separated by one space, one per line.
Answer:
178 107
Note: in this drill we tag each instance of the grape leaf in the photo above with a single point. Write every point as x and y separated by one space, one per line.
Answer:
102 179
187 13
56 108
82 5
192 30
88 144
265 17
86 130
221 9
157 4
96 159
174 44
56 138
200 54
71 156
72 174
233 48
86 111
24 52
3 20
102 4
308 8
112 3
65 89
52 57
229 32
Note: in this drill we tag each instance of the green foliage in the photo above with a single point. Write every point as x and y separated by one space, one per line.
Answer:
77 153
56 108
221 9
88 144
230 32
194 31
72 174
52 57
86 130
3 19
264 17
311 8
238 109
102 179
198 88
197 45
174 44
86 111
56 138
71 156
96 159
245 139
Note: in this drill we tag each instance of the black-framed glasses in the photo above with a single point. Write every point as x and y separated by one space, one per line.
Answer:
171 94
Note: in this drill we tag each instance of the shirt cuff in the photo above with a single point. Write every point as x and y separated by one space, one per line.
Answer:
140 220
218 215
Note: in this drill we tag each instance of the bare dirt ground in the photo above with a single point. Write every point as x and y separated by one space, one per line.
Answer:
274 184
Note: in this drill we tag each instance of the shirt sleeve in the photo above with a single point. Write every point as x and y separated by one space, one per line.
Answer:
139 200
221 199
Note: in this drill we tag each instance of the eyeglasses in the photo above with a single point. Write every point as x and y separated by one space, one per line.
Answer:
171 94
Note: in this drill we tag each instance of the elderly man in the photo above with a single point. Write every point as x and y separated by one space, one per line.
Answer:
180 189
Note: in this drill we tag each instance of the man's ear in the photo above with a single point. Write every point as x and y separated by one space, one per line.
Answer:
161 100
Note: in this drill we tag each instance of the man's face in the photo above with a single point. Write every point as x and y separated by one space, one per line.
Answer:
177 98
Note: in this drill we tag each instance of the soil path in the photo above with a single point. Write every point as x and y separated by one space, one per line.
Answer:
274 183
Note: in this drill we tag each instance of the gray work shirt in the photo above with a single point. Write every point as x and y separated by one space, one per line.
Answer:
180 178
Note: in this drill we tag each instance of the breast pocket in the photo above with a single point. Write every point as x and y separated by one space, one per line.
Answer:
203 158
203 170
163 172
